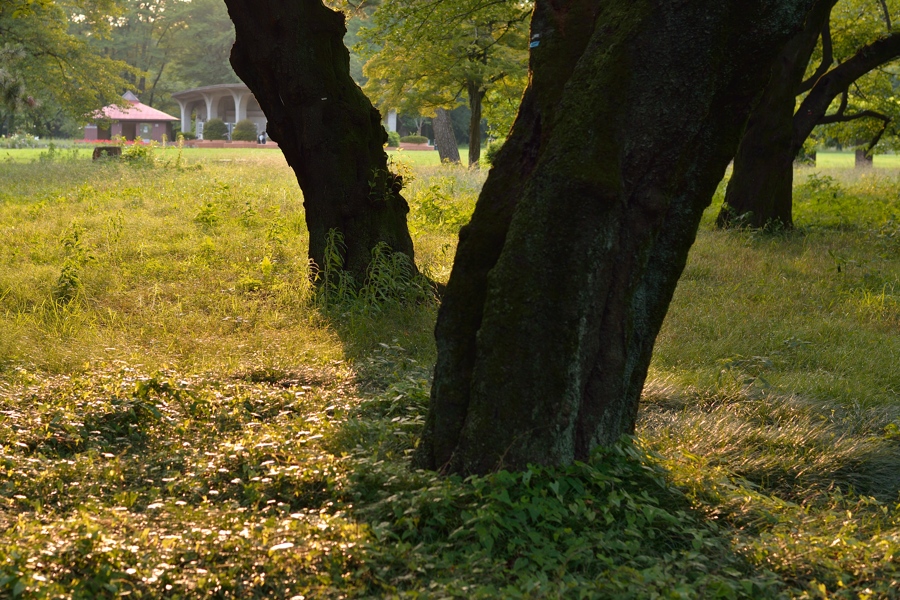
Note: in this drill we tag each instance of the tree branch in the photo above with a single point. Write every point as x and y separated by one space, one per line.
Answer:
839 117
838 80
886 13
825 64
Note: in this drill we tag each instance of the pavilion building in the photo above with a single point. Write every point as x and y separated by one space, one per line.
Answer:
134 121
231 102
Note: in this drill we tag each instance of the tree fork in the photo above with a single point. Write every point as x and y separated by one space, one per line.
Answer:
292 56
563 276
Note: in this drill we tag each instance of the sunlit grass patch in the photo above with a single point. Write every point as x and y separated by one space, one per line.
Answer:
182 414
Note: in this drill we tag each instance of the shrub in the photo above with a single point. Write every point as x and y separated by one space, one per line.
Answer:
490 153
244 131
414 139
19 140
393 139
188 135
215 129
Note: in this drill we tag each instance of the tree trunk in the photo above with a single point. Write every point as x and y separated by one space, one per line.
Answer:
862 159
444 138
563 276
292 56
476 95
760 189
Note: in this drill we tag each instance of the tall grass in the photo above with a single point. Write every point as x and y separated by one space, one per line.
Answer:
183 415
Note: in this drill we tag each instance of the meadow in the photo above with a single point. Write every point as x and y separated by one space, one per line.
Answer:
183 415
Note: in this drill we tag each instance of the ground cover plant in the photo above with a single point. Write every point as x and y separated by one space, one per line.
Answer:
183 415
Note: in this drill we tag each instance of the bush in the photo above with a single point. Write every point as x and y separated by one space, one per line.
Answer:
393 139
215 129
490 153
244 131
414 139
19 140
188 135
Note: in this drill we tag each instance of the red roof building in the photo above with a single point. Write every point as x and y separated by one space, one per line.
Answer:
135 122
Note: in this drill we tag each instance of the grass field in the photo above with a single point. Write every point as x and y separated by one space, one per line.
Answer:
83 152
846 160
183 416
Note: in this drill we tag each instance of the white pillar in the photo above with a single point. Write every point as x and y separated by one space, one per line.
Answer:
240 107
210 105
185 115
392 120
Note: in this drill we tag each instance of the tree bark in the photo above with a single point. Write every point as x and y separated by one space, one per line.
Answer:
476 95
760 190
563 276
862 159
444 138
292 56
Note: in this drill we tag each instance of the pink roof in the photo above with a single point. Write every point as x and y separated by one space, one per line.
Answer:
135 112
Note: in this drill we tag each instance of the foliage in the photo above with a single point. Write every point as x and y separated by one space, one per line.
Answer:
172 44
193 421
390 280
244 131
393 139
493 147
215 129
139 154
19 140
414 139
854 24
422 56
45 69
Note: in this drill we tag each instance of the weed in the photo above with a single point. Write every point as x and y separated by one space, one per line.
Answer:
69 284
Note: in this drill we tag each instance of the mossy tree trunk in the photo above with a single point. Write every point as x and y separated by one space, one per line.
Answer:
563 276
444 138
293 58
760 191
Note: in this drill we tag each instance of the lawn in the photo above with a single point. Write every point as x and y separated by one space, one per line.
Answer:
846 160
183 415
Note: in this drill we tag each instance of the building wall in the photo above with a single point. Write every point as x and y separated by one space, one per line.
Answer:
153 131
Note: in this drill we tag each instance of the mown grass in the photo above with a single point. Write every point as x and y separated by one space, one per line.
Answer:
181 415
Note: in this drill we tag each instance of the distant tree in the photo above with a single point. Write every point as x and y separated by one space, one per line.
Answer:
141 36
426 55
444 138
46 70
201 49
816 70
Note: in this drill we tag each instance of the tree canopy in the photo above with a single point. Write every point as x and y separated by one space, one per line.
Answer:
46 68
425 55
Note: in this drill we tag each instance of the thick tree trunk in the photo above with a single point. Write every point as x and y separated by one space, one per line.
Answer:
476 95
862 159
760 189
292 56
444 138
563 276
